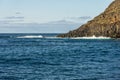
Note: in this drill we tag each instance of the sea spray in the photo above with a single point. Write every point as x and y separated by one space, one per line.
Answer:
31 36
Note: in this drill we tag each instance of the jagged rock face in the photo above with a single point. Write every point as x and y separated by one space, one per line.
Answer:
106 24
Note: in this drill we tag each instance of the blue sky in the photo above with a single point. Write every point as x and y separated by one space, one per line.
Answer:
46 11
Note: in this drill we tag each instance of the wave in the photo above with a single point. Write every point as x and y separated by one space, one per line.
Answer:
54 37
93 37
31 36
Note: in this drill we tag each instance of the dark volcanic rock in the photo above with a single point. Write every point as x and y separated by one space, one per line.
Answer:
106 24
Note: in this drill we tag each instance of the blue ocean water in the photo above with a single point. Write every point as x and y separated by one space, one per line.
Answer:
58 59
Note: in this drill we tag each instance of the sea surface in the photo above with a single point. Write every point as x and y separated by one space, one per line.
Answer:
49 58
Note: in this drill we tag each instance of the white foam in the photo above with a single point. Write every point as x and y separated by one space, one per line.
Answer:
92 37
31 36
40 36
54 37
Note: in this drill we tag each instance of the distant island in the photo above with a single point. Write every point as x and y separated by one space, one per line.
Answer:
106 24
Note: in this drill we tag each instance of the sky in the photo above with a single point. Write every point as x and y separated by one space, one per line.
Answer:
64 15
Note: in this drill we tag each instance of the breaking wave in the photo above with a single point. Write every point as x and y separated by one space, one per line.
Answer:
31 36
54 37
93 37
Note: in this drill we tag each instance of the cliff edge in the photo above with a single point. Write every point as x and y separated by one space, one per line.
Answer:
106 24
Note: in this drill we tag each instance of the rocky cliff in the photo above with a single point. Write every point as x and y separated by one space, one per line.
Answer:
106 24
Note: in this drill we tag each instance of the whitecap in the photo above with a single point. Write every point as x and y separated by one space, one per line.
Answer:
31 36
92 37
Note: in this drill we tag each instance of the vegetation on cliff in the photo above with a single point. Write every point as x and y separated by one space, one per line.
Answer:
106 24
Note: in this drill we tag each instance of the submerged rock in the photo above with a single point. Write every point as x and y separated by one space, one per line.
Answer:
106 24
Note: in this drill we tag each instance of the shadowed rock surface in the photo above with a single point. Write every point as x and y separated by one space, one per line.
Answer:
106 24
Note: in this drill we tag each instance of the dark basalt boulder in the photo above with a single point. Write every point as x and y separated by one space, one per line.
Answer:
106 24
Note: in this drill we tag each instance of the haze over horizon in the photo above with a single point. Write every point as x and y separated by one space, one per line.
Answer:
47 16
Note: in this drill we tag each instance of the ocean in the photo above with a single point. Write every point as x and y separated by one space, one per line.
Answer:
45 57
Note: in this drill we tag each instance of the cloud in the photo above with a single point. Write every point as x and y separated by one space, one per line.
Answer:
80 18
84 17
14 17
4 22
18 13
60 26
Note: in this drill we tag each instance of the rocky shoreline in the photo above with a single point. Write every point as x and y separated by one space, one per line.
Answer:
106 24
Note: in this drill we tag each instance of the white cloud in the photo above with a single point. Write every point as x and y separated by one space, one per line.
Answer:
81 19
14 17
18 13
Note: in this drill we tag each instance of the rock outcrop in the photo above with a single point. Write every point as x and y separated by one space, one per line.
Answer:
106 24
